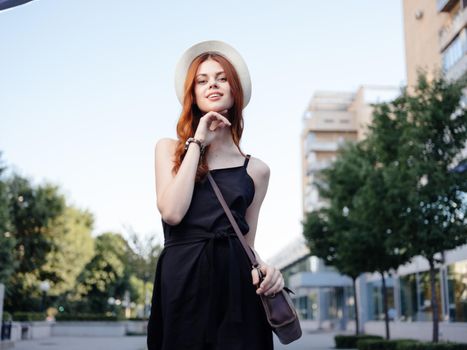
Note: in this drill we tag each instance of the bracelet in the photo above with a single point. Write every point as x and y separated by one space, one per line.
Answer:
192 139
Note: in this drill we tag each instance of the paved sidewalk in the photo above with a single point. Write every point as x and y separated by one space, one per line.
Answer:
83 343
308 341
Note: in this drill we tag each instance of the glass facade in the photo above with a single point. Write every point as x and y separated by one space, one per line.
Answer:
455 51
408 291
457 291
375 296
415 292
307 306
426 310
409 296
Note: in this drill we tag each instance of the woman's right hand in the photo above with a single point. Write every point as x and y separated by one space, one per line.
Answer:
208 124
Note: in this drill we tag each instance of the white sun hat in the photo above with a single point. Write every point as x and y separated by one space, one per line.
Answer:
218 47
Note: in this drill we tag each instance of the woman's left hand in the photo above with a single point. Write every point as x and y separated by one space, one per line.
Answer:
273 281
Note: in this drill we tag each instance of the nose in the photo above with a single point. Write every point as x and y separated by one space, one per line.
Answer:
212 83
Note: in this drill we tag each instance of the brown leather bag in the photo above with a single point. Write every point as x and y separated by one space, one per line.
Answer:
280 312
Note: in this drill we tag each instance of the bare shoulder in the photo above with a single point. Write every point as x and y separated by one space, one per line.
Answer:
165 147
165 143
259 171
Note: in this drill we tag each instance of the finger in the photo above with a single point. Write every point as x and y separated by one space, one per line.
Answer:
277 286
222 117
255 277
213 125
275 275
267 280
216 117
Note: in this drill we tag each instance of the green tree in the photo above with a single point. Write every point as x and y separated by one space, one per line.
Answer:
144 261
31 209
432 124
72 249
106 276
357 218
7 240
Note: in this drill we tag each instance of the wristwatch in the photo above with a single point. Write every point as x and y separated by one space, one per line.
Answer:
192 139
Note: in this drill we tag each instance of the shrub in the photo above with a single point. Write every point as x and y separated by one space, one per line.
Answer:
86 317
350 341
7 316
406 344
433 346
28 316
382 344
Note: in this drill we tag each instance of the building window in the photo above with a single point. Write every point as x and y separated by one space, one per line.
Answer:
310 138
307 305
457 290
425 313
350 302
415 292
455 51
375 295
408 290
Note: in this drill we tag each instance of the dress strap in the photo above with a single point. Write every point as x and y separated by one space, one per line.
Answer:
246 160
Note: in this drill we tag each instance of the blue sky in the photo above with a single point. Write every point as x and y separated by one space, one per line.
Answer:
86 90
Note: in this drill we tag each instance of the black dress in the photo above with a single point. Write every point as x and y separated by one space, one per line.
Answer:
203 295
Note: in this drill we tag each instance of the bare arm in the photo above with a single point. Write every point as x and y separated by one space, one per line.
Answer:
174 193
260 173
273 281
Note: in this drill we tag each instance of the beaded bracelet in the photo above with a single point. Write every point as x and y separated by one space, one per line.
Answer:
192 139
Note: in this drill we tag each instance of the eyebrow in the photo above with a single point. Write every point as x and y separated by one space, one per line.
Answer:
206 74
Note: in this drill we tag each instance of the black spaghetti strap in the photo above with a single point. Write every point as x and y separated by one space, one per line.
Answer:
246 160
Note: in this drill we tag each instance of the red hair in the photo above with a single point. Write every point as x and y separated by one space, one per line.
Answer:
189 118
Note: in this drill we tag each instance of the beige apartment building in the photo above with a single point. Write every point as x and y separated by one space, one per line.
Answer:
435 37
330 119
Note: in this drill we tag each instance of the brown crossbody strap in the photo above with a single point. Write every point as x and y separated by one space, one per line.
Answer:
254 262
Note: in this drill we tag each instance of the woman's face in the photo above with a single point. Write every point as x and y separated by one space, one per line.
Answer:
212 90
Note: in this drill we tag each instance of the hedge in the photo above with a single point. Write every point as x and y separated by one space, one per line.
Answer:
382 344
433 346
406 344
87 317
28 316
350 341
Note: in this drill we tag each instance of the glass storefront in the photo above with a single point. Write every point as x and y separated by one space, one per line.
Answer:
375 305
415 292
426 311
307 305
337 304
350 302
457 291
408 291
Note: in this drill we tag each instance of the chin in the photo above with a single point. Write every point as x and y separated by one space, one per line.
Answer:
214 107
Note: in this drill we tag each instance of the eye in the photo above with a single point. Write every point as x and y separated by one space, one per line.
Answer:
223 79
201 81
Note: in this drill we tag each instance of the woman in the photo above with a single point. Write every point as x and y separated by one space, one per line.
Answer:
205 294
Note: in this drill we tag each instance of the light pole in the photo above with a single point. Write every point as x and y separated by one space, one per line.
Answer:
44 286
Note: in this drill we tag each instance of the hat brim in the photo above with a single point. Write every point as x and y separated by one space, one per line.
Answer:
221 48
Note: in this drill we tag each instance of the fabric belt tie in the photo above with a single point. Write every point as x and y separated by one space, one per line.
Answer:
234 309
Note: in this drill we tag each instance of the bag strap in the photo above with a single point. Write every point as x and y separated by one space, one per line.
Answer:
227 210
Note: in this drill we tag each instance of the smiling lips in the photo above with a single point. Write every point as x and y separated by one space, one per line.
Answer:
214 96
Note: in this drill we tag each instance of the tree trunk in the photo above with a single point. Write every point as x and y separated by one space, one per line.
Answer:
434 303
385 306
357 328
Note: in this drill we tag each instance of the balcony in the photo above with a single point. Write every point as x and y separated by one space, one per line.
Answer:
446 5
330 146
450 31
316 166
